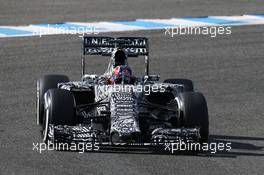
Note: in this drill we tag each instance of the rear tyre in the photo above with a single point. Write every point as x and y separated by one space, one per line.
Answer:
188 84
59 110
43 84
195 113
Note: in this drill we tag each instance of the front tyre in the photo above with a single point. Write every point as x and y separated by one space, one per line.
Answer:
195 113
58 110
43 84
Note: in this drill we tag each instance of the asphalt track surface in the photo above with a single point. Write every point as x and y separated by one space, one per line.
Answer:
227 69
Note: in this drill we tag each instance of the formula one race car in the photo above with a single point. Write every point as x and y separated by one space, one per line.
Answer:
117 108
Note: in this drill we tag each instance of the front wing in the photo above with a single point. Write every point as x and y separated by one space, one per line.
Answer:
85 133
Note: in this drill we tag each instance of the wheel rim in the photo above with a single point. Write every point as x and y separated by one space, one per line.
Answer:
38 104
46 126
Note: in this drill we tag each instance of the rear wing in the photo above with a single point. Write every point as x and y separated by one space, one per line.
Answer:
134 46
104 46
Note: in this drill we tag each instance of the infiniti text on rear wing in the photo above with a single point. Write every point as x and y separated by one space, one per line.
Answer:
134 46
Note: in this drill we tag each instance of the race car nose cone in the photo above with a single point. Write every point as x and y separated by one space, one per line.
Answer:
119 138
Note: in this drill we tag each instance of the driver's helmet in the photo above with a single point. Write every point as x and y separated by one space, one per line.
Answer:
119 57
122 74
